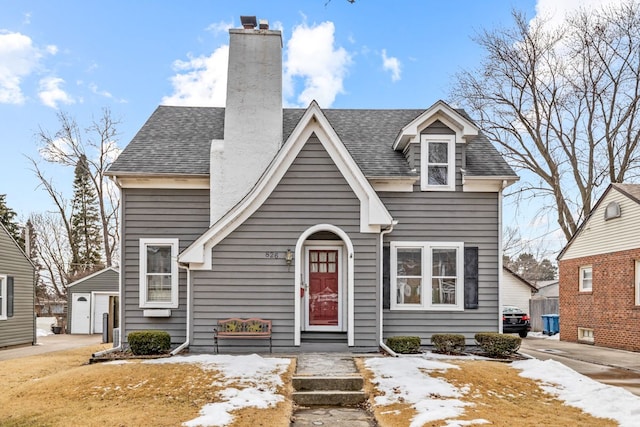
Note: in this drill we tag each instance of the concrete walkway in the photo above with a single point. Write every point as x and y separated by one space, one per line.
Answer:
610 366
327 368
50 343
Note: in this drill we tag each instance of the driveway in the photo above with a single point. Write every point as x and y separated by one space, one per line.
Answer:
51 343
615 367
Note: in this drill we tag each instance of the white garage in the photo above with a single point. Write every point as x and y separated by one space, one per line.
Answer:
91 298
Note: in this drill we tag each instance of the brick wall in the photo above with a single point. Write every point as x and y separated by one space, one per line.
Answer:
609 309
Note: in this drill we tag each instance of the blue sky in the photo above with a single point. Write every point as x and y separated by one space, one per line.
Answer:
130 56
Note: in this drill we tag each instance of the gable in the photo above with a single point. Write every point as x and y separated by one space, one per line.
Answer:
372 212
104 278
599 236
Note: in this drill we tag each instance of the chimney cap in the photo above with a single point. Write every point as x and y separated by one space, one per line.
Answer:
264 24
248 22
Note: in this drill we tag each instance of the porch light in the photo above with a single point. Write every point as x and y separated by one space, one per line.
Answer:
289 257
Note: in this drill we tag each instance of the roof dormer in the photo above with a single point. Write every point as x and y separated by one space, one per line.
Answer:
463 128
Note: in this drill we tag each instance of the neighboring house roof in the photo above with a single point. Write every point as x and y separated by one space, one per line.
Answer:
177 140
92 275
10 237
630 191
520 278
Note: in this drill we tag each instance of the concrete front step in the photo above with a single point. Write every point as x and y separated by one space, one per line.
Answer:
329 398
318 383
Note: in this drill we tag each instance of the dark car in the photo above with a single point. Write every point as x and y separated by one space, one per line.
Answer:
515 321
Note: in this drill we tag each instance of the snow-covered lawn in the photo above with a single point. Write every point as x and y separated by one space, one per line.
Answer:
247 381
407 380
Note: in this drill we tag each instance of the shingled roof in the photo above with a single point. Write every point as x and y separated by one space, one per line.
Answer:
176 141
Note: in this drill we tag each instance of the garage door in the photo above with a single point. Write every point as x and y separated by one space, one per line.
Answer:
101 304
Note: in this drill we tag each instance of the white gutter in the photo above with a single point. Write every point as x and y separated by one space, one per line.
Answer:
382 233
185 344
500 249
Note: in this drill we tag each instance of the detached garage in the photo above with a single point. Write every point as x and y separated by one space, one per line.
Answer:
91 297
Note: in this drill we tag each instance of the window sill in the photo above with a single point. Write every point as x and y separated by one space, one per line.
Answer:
156 312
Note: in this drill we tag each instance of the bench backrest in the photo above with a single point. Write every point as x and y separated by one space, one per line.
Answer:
235 326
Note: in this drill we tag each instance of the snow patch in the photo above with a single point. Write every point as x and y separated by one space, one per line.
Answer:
593 397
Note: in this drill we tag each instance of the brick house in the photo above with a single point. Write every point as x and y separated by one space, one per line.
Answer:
599 272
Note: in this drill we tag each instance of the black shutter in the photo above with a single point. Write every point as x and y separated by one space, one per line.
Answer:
471 277
9 296
386 277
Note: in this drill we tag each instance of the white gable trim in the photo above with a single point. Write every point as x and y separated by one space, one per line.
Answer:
373 214
97 273
464 128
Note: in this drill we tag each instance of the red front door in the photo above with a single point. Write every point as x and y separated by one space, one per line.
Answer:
323 288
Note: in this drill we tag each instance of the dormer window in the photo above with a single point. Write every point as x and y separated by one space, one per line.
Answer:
437 162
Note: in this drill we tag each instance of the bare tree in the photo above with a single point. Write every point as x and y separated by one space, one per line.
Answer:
562 103
66 147
52 250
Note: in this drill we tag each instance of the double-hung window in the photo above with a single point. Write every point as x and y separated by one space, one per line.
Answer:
3 297
158 273
437 162
637 284
586 279
427 276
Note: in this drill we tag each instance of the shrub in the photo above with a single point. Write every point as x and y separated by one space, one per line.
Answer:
498 345
448 343
144 343
404 345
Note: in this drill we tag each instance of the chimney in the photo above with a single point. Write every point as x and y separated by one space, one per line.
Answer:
253 114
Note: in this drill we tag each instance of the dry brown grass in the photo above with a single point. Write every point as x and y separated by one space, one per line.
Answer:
60 389
498 394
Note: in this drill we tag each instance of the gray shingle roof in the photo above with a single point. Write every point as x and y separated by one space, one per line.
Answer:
176 141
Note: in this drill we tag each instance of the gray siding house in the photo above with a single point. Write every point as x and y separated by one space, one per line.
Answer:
90 298
17 294
338 225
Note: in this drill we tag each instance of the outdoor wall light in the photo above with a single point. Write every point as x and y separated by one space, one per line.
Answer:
289 257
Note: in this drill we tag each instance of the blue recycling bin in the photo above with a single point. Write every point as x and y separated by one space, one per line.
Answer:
551 324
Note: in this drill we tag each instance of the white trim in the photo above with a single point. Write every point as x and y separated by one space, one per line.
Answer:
185 182
427 139
483 184
97 273
637 284
464 128
299 278
174 243
581 278
320 246
3 297
396 185
426 303
373 213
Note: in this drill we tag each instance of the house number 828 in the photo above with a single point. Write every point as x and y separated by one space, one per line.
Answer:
271 254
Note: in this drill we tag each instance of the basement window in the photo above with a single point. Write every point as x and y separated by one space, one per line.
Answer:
585 334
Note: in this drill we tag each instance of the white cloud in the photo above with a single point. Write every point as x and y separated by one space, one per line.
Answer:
219 27
313 58
391 64
51 92
201 81
94 88
557 10
18 59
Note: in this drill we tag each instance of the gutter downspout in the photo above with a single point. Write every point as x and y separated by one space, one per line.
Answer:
382 233
186 342
500 250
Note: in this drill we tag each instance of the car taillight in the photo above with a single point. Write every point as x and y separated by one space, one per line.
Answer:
525 317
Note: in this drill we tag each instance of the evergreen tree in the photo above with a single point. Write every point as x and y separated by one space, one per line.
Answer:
7 218
85 223
29 236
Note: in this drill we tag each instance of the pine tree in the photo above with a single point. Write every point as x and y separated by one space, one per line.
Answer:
7 218
85 223
29 236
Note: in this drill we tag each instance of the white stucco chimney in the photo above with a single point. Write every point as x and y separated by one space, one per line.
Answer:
253 115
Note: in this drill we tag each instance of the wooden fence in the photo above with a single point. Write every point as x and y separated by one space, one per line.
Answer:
538 307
